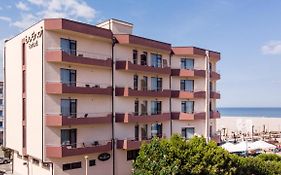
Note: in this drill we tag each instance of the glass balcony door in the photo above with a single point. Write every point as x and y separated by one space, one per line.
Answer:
68 46
187 132
187 63
69 137
69 107
187 107
68 76
156 84
187 85
156 60
156 130
156 107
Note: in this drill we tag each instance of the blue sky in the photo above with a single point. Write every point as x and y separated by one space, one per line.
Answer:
246 32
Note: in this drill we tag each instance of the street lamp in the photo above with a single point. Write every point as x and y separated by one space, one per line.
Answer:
86 164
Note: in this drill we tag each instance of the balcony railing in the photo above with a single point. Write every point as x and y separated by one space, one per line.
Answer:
144 91
129 66
188 94
215 95
142 117
134 143
188 73
78 88
78 57
182 116
77 119
74 149
215 75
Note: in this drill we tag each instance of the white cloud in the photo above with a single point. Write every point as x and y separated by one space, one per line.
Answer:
5 18
272 48
73 9
22 6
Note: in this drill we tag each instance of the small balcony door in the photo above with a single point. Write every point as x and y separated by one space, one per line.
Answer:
135 57
144 83
156 60
144 133
69 107
144 108
136 107
144 59
68 137
68 76
68 46
187 85
156 130
156 84
137 132
136 82
187 63
187 107
187 133
156 107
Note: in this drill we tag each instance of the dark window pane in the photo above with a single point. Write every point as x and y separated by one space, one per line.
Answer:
92 162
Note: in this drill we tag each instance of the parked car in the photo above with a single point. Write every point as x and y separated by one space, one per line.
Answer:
4 160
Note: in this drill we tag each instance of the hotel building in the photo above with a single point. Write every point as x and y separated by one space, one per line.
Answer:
81 99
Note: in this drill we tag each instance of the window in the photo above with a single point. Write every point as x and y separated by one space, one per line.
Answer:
132 154
1 113
135 57
211 86
68 46
92 162
144 59
70 166
187 85
136 107
187 107
1 90
136 132
1 101
136 82
156 60
187 132
1 124
68 137
210 106
156 130
144 83
144 108
210 67
156 84
68 76
144 132
68 107
156 107
187 63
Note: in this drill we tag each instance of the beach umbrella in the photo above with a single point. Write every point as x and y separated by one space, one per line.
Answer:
262 145
241 147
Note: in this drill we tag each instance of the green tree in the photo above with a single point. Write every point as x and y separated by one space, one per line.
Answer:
181 157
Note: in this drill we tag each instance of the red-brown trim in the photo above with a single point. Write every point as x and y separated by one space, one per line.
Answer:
60 56
215 95
137 40
130 118
59 88
74 26
215 76
130 144
128 92
129 66
214 56
188 117
58 120
62 151
189 51
188 73
188 95
215 114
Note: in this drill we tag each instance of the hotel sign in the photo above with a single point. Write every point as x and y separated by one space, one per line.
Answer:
104 156
32 40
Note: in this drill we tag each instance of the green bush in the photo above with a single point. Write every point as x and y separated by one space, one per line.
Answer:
177 156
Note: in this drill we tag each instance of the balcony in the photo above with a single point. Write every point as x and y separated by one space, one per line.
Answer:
80 57
57 120
129 66
215 95
131 144
215 114
147 118
188 73
215 76
188 94
78 149
129 92
188 116
77 88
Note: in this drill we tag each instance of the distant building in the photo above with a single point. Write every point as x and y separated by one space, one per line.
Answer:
82 98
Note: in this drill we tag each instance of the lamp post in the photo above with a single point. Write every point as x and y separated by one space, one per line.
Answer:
86 164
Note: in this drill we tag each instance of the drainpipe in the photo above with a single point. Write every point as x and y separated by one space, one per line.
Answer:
207 98
170 99
4 93
114 41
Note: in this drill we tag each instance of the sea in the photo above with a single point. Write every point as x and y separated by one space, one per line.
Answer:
250 112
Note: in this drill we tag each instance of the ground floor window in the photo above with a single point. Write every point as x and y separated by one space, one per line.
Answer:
92 162
187 132
69 166
132 154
